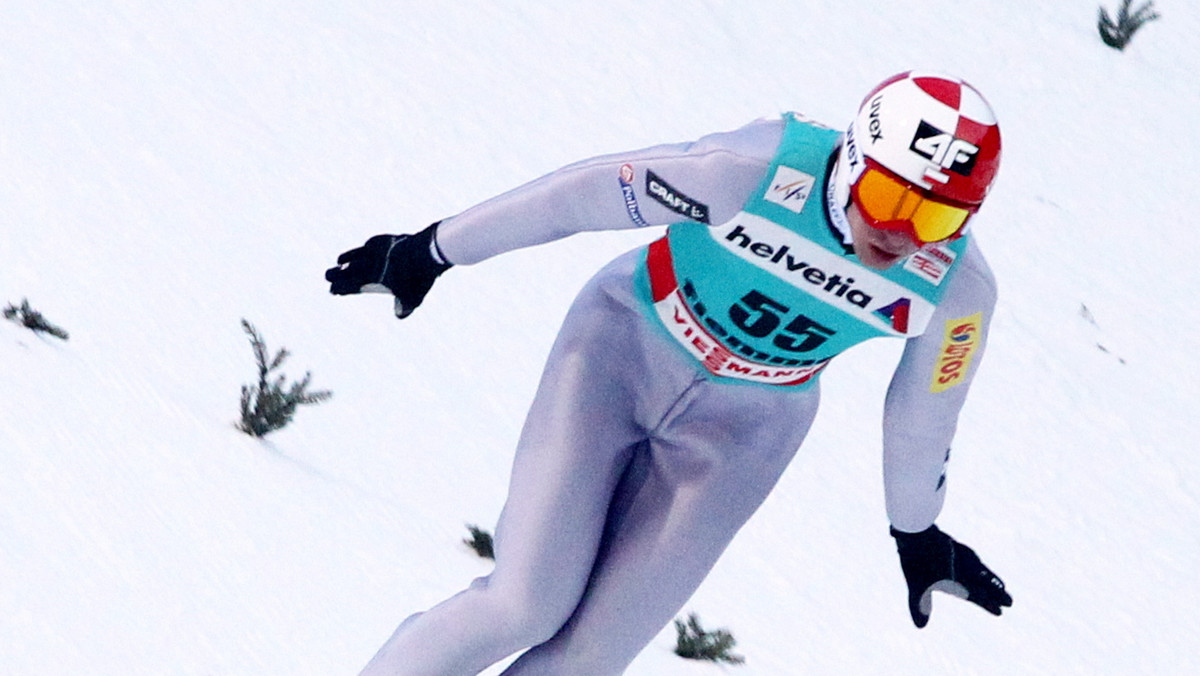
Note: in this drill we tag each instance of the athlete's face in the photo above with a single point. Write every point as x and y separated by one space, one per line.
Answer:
878 249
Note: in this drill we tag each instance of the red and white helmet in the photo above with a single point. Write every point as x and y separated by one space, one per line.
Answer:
934 131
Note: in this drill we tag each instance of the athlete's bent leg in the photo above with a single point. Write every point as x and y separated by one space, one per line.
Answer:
704 473
577 440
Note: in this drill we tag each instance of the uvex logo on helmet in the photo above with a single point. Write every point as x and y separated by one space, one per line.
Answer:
934 131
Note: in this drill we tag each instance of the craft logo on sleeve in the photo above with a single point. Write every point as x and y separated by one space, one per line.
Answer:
676 201
959 345
790 188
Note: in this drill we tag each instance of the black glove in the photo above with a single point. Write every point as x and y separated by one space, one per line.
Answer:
932 560
403 265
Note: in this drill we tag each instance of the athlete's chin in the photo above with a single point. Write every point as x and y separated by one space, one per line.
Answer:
878 259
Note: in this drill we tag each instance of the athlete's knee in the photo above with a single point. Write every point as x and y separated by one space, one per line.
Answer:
537 615
536 625
529 615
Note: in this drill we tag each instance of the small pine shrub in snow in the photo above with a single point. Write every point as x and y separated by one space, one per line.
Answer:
32 319
1117 34
695 643
270 404
481 542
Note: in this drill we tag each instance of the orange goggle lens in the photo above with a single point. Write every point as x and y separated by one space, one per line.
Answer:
889 203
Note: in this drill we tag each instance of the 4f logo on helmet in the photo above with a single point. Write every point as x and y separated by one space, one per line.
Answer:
945 151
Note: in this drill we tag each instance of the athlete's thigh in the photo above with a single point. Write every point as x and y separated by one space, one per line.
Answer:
681 501
576 442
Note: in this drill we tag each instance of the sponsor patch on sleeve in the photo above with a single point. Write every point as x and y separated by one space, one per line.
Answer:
669 197
625 176
960 342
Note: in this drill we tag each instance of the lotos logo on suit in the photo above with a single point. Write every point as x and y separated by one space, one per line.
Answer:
959 345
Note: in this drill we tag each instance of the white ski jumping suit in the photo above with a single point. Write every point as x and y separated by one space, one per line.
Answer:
683 381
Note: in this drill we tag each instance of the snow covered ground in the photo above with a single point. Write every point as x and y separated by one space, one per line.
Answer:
167 169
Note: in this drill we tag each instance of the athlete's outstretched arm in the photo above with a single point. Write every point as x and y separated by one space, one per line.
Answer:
706 179
709 179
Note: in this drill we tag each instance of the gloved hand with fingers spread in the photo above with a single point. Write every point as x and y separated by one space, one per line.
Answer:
402 265
932 560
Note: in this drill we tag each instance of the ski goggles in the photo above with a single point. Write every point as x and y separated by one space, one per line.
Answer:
888 202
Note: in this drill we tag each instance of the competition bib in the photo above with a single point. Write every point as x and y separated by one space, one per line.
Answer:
772 295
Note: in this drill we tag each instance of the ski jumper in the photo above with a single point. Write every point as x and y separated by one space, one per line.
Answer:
682 382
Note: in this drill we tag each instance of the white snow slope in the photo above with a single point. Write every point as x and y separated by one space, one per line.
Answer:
167 169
